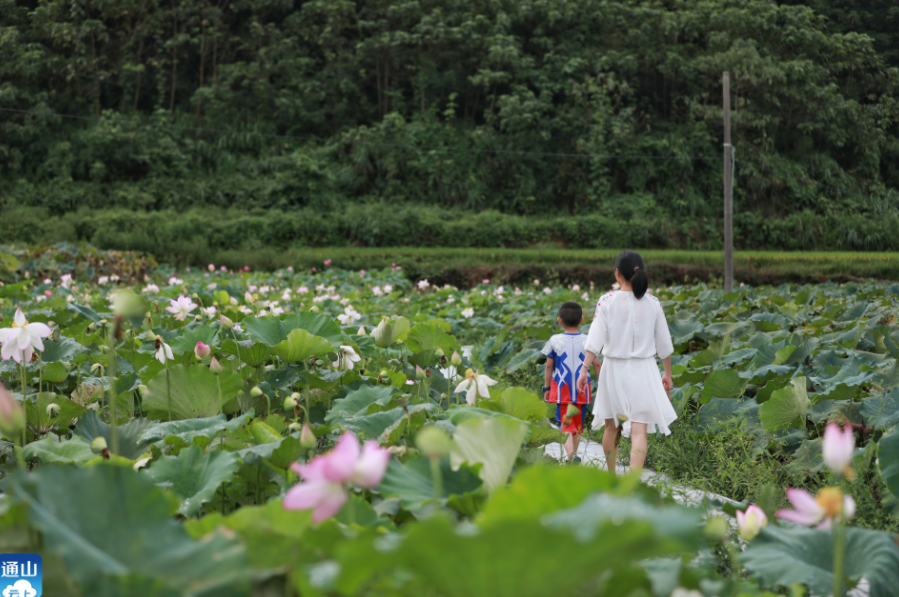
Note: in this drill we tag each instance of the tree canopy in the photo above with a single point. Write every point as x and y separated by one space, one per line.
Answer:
469 104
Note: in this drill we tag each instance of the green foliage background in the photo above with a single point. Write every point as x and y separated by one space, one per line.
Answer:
359 115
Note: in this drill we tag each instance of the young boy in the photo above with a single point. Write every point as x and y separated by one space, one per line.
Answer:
564 360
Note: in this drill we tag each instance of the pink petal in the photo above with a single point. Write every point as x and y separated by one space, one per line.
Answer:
330 506
341 461
804 502
20 317
38 329
798 517
325 498
741 519
372 465
838 447
314 470
825 525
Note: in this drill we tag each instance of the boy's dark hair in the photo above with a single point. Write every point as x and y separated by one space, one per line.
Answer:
571 314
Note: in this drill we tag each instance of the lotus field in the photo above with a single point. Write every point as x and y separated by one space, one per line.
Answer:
339 432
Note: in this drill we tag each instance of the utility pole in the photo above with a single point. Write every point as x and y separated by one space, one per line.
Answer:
728 192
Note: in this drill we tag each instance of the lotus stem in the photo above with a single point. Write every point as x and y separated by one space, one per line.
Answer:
437 478
839 555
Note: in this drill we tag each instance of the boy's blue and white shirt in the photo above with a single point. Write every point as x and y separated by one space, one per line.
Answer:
568 352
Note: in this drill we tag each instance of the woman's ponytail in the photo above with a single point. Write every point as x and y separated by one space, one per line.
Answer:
640 283
630 265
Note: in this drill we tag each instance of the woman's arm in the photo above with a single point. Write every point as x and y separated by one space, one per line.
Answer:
582 378
666 379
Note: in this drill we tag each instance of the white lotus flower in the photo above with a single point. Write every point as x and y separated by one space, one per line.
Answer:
164 353
349 316
181 308
22 338
468 313
475 385
151 289
348 356
208 311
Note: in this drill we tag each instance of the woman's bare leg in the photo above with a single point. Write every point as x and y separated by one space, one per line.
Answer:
610 444
638 446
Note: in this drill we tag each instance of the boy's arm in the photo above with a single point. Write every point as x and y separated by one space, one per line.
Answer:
548 377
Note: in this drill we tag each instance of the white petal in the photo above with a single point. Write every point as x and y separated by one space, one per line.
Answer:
168 351
24 340
20 317
471 397
37 343
461 387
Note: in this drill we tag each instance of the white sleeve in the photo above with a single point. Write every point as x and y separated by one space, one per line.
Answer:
664 346
596 337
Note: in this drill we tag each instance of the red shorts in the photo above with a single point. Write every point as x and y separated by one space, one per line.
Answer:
563 399
576 423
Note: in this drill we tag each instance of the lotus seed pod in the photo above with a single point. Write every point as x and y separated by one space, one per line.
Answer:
290 403
319 362
439 353
104 348
256 392
332 356
433 442
95 368
52 410
314 309
98 445
572 411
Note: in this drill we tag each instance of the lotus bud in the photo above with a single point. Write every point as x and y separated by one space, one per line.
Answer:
439 353
98 445
433 442
12 416
361 331
751 522
456 359
290 403
256 392
307 438
226 323
52 410
716 528
419 373
215 366
202 350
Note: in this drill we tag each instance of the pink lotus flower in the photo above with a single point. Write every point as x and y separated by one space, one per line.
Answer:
838 448
211 267
22 338
327 262
326 478
751 522
202 350
830 504
223 269
181 308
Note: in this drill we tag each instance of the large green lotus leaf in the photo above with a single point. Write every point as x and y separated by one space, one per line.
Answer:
526 357
736 329
540 490
188 429
834 410
131 446
389 330
115 522
359 512
435 552
808 458
888 459
194 391
301 345
787 407
723 383
524 405
669 523
882 411
74 451
367 399
85 312
54 373
187 341
37 413
460 414
413 482
271 533
430 336
683 331
387 426
64 350
193 476
255 355
491 442
786 555
721 413
769 322
273 331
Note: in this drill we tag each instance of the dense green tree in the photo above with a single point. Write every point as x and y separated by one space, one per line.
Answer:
470 104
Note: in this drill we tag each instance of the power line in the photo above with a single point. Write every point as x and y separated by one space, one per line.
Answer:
373 143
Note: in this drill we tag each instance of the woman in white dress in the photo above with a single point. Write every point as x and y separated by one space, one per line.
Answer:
630 329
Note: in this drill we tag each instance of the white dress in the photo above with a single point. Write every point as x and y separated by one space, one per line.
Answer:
630 332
